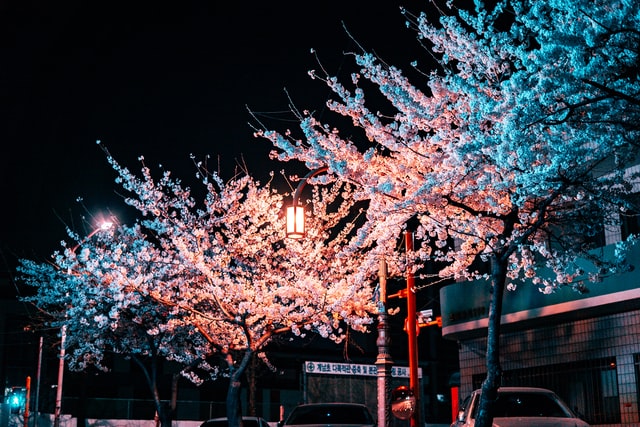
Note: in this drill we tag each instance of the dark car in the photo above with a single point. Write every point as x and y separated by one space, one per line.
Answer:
329 414
246 422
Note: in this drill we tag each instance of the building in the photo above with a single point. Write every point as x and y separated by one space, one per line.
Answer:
585 346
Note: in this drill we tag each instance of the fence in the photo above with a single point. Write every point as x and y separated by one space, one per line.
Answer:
140 409
98 412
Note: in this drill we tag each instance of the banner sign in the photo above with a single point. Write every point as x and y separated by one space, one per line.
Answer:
329 368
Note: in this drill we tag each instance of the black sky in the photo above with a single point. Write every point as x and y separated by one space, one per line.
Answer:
159 79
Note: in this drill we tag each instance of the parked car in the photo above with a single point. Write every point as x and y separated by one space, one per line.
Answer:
521 407
329 414
246 422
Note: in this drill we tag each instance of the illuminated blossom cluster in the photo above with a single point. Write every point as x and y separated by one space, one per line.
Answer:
252 283
504 151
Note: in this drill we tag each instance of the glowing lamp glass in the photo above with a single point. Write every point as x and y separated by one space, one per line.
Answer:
295 222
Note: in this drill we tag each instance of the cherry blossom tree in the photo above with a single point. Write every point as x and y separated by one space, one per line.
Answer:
108 292
513 152
199 282
255 284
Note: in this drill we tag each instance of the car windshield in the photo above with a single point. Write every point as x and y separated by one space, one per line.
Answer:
515 404
329 414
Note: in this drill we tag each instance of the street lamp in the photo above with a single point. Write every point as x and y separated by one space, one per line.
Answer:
384 362
103 226
295 212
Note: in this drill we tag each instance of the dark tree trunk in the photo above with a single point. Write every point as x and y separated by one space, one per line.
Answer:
234 413
174 394
164 414
252 374
494 371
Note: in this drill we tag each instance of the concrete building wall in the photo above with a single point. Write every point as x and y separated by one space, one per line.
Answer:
614 336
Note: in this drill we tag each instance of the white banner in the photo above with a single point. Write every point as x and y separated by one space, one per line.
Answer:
330 368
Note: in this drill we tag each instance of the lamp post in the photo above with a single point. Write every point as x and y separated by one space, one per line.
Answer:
412 334
384 362
104 226
295 212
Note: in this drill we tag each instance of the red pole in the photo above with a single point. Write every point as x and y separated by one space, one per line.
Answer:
412 333
26 403
455 403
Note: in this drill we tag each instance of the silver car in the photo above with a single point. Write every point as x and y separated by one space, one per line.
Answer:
329 414
521 407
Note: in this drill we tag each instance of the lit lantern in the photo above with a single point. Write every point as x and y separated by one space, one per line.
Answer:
295 221
295 212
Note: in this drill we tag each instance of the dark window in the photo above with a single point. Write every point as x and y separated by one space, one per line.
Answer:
597 238
329 414
630 223
630 218
527 405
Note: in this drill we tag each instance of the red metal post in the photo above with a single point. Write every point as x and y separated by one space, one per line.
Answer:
26 403
412 333
455 403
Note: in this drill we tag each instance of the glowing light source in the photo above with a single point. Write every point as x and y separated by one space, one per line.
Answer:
295 221
295 212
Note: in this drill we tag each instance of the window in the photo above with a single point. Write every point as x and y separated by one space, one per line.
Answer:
630 223
334 414
630 218
527 405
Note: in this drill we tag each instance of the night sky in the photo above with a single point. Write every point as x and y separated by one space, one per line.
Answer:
159 79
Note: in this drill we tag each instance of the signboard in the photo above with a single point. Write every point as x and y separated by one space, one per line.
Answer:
330 368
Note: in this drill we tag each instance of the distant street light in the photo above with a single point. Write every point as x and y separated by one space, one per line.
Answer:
103 226
295 212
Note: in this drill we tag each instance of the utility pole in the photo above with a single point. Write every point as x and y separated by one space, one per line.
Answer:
38 378
58 408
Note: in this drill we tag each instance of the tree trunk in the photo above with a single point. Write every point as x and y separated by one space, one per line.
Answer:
163 412
174 394
252 380
234 413
494 371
